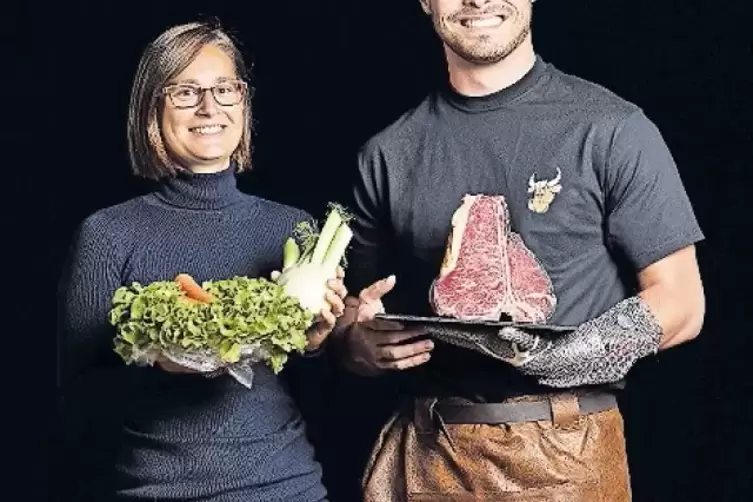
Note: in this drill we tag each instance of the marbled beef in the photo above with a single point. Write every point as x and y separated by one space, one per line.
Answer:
488 271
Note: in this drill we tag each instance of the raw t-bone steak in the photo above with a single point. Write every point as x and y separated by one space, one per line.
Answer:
488 271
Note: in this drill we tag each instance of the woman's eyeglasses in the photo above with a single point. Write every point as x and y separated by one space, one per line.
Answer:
227 93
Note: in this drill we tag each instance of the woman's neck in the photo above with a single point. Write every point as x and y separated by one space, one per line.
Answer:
209 168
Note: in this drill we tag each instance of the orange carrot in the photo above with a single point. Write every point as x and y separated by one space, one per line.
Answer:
192 288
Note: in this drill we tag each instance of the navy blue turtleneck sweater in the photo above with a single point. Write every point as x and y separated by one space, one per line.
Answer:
139 433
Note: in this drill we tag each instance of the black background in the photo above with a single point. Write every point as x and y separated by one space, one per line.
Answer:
329 74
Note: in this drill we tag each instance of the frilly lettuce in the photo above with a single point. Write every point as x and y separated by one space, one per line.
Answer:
150 319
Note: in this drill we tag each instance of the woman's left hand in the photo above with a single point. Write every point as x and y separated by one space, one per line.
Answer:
327 318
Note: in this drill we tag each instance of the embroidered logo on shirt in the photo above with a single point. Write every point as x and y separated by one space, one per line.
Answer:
543 192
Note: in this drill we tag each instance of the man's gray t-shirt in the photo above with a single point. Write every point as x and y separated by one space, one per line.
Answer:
610 202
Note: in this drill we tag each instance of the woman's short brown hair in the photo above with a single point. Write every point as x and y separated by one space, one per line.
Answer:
164 58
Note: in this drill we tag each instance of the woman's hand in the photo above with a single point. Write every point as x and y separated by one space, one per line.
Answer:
166 364
171 367
327 318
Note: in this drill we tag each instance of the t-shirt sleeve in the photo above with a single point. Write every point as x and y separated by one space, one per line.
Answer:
366 257
649 214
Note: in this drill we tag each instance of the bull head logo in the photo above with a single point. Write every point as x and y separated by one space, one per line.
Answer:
543 192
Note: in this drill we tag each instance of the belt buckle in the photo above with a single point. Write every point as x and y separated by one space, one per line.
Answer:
423 415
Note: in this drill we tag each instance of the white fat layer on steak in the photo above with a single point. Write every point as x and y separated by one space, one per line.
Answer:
459 221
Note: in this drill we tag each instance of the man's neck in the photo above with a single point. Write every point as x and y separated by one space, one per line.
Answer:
471 79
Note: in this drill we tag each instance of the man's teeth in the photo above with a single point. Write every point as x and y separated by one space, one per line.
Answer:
207 129
483 22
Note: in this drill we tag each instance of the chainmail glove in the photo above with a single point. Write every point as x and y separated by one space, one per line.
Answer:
599 351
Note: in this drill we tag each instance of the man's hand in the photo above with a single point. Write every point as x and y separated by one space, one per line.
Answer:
372 346
599 351
515 346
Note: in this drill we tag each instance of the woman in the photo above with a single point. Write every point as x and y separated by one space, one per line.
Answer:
164 432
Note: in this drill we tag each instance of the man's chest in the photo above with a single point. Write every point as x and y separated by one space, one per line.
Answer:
549 179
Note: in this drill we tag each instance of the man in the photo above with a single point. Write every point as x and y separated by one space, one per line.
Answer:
591 189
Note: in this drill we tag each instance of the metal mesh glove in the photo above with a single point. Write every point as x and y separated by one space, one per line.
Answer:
600 351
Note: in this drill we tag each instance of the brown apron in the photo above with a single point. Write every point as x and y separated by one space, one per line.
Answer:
559 448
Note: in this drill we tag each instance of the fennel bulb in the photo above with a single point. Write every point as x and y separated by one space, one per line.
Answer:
307 267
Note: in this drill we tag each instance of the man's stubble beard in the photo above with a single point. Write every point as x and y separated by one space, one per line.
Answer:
481 52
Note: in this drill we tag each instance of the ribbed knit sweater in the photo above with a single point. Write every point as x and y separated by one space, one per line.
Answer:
140 433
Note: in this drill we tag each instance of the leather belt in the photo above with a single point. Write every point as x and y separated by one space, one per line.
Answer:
557 408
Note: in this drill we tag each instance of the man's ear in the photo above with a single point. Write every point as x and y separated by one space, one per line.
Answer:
426 6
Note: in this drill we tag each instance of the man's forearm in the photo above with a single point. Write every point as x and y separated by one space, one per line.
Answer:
604 349
599 351
679 313
673 290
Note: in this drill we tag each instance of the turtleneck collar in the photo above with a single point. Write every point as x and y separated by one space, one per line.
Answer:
207 191
498 99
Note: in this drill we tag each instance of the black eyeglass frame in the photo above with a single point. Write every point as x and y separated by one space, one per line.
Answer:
202 91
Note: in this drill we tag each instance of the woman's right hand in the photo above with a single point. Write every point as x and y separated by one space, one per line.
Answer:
373 346
171 367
